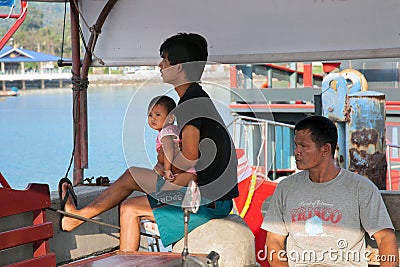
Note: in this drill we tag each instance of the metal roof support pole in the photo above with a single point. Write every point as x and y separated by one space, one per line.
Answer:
270 76
76 70
294 76
81 146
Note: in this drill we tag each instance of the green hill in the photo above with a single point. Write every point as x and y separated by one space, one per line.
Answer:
42 29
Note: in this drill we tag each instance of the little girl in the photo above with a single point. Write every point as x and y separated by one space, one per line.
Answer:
160 118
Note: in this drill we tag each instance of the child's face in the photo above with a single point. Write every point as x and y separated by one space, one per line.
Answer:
158 117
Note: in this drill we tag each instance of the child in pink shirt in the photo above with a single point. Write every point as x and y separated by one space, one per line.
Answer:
160 118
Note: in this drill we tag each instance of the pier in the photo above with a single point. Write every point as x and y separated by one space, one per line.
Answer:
55 78
26 69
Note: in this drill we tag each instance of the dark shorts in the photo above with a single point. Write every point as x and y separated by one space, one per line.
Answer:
169 218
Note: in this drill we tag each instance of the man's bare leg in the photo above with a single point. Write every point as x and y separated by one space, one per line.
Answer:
132 211
115 194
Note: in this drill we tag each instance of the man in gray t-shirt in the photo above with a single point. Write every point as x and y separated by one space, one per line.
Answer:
319 216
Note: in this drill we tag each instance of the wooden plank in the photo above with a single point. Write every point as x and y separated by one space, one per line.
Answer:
36 196
143 259
48 260
25 235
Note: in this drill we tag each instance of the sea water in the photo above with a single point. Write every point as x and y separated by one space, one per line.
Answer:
36 132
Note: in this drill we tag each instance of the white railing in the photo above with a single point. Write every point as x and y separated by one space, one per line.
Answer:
258 138
389 164
9 76
244 129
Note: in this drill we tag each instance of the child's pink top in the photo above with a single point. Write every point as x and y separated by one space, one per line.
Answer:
172 130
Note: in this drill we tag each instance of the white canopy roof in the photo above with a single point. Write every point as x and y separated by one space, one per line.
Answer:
251 31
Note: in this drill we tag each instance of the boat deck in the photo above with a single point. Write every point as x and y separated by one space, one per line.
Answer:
140 259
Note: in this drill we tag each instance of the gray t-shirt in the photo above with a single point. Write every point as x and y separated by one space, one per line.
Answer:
326 222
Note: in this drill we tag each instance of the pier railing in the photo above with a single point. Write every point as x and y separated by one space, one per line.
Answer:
269 145
42 78
47 74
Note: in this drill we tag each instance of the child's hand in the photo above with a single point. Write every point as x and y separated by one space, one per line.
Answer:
169 176
159 169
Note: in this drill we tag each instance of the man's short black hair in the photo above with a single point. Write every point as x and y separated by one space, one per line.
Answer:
322 129
185 48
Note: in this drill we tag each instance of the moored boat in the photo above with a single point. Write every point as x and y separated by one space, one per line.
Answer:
12 92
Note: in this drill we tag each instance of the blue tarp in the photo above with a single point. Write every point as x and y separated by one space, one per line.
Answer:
14 55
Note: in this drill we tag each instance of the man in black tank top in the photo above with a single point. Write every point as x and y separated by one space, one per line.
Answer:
205 145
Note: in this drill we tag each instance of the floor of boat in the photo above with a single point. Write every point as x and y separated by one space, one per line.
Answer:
142 259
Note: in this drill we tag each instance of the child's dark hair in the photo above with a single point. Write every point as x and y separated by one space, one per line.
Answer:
186 47
323 131
162 100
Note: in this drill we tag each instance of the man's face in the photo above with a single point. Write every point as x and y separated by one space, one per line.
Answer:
307 154
168 71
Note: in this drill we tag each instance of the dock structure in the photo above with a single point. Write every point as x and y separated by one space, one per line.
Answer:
37 80
15 74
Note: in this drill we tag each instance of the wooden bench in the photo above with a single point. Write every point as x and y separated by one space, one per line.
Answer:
30 204
35 199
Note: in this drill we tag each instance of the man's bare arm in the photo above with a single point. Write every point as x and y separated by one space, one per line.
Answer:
388 251
276 250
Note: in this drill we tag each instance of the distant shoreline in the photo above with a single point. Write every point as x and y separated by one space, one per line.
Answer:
155 78
150 78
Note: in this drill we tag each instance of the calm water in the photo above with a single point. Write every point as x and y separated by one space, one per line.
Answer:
36 132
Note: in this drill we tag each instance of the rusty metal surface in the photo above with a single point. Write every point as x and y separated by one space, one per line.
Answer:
371 166
366 136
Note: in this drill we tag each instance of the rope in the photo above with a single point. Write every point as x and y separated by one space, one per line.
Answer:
253 182
63 33
80 13
75 136
79 83
249 196
96 33
93 30
95 221
79 26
